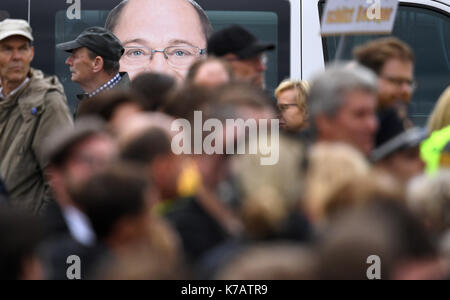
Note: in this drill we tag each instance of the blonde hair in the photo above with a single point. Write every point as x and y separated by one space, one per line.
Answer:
440 117
270 193
331 167
302 88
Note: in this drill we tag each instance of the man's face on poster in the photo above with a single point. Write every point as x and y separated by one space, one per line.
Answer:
147 27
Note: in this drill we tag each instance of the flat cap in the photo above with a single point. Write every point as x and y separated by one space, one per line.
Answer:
99 40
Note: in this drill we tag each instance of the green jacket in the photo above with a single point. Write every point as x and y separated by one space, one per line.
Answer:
27 118
431 149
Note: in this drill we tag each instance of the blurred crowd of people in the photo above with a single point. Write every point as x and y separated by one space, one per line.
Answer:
355 178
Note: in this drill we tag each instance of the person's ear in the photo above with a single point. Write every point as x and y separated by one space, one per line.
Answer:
325 126
32 53
98 63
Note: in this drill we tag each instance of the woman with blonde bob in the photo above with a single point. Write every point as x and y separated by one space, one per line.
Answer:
440 117
291 101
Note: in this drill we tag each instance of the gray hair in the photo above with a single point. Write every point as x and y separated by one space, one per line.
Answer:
327 94
429 197
115 13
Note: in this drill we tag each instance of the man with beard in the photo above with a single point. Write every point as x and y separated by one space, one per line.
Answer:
393 61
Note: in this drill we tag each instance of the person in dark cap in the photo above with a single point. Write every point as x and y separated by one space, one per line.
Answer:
398 148
94 61
244 52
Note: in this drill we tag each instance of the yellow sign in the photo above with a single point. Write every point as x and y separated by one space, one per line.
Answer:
359 16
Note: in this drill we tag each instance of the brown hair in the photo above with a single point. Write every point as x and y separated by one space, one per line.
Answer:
375 54
105 104
182 103
195 67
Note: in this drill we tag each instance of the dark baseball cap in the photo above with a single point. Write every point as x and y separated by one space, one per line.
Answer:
97 39
236 40
408 139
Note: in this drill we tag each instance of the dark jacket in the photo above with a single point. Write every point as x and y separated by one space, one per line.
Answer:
3 193
122 85
199 232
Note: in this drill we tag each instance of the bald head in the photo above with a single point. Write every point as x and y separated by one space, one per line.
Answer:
157 24
115 14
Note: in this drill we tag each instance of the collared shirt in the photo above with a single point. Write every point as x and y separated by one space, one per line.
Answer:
107 86
79 226
2 96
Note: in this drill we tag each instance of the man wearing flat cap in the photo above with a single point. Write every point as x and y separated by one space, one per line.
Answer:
31 107
94 62
244 51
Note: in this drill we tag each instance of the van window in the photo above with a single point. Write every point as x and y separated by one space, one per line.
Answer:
428 33
17 9
263 24
270 20
3 15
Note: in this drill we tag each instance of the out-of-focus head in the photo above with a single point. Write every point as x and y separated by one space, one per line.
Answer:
210 72
114 107
342 106
76 154
20 235
250 101
291 101
440 117
147 27
142 122
371 187
154 88
400 156
244 52
152 148
330 167
382 230
393 61
282 261
186 100
118 203
270 194
429 197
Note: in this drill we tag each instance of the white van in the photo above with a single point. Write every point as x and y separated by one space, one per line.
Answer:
423 24
293 25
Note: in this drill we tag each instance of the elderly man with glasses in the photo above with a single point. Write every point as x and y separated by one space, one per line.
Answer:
244 51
